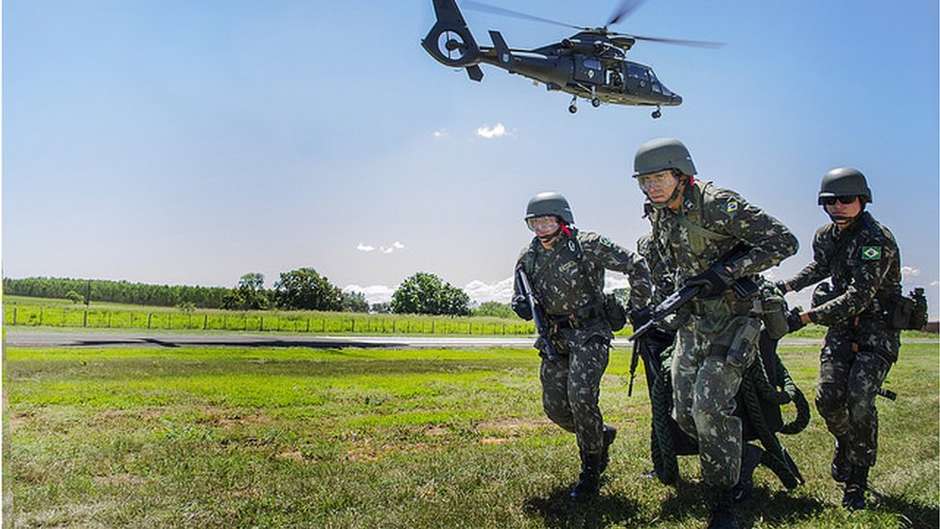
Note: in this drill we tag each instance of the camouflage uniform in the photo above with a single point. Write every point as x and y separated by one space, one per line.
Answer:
708 224
864 264
570 288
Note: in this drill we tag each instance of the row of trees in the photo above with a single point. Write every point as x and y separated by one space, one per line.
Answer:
300 289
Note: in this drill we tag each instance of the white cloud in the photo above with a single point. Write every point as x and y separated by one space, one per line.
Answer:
374 293
496 131
440 133
481 292
909 271
935 284
397 245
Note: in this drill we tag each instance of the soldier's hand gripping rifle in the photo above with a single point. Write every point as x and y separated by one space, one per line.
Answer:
743 287
538 314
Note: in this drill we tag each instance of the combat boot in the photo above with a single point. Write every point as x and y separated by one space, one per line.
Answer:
750 459
854 497
721 510
840 461
610 433
589 481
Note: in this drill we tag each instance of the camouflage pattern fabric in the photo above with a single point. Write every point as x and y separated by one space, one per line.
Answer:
845 397
568 280
709 222
864 264
571 387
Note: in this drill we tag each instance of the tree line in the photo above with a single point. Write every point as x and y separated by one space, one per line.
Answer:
300 289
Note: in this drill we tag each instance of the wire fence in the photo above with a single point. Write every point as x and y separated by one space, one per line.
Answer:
36 316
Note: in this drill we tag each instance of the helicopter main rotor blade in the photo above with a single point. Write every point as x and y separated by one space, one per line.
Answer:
625 9
479 6
678 42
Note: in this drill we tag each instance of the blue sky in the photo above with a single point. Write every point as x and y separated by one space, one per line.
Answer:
187 142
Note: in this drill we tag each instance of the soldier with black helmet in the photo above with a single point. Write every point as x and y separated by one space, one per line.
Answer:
862 259
566 269
695 224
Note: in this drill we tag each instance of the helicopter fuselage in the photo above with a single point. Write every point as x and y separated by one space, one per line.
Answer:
611 81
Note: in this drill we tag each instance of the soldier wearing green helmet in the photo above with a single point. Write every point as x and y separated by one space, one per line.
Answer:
694 224
566 269
861 258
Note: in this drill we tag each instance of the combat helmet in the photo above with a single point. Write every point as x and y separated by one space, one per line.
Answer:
549 203
844 182
661 154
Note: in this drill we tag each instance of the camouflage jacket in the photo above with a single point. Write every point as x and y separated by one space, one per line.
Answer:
566 282
865 266
709 223
660 272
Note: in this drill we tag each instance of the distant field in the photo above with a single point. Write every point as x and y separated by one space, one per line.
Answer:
36 312
419 439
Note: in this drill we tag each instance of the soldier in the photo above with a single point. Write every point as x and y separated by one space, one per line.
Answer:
693 225
862 258
566 271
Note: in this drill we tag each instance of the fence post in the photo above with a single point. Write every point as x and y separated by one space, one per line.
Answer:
14 315
352 324
432 326
40 315
308 324
469 327
109 319
149 319
261 325
205 321
224 322
84 317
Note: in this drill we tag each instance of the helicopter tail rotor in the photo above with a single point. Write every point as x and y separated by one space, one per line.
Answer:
450 42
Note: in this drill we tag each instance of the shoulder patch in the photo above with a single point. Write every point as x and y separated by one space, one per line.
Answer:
731 207
871 253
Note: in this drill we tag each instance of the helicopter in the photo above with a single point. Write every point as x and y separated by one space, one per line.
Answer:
590 64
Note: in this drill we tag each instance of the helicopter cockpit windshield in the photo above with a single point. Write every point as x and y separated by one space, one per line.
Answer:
656 86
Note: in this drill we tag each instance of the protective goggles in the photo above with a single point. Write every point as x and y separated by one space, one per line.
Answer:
542 223
830 201
660 179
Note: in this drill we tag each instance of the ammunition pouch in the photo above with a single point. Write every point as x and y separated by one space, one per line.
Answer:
907 312
774 313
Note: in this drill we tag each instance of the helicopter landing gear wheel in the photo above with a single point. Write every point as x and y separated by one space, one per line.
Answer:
595 102
573 107
657 113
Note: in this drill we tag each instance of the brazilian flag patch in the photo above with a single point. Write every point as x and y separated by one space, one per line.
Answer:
871 253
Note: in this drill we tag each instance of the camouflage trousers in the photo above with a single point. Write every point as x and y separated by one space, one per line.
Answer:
571 388
845 398
704 388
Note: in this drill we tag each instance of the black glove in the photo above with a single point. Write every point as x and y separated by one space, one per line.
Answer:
781 286
715 281
793 320
520 305
639 317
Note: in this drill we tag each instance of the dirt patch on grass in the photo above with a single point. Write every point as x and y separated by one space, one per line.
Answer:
436 431
20 418
495 441
293 455
513 425
224 418
120 480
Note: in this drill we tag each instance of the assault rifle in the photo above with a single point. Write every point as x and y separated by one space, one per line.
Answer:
743 287
538 315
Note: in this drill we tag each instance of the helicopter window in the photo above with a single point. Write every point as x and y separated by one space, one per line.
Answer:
592 64
656 87
638 72
652 75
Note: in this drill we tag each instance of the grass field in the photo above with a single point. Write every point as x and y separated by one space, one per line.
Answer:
251 437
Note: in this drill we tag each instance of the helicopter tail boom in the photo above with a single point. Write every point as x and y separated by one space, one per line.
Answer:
450 42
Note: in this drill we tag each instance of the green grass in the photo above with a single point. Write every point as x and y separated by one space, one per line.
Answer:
257 437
